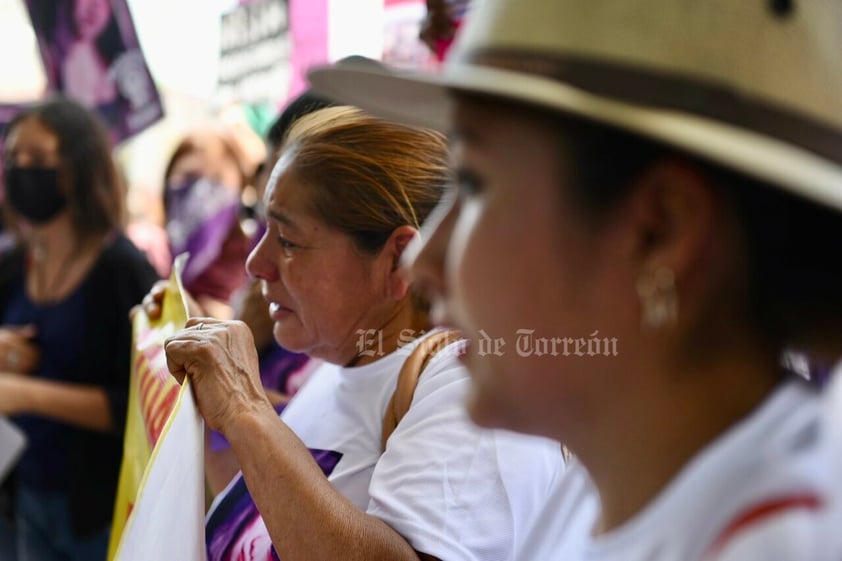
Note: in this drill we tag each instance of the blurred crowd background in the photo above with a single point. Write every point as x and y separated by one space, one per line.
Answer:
222 64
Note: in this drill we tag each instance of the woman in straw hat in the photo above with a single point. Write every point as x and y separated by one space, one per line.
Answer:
645 196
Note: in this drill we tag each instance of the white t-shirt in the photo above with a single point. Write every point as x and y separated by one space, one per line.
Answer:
813 529
764 490
452 490
831 533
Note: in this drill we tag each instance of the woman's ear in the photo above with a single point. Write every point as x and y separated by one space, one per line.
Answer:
397 281
675 209
685 245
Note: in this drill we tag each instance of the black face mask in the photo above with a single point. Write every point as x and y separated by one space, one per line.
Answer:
34 193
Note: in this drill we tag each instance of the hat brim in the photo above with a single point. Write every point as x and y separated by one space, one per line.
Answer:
426 100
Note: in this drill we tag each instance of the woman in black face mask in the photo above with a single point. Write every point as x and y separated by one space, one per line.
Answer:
65 335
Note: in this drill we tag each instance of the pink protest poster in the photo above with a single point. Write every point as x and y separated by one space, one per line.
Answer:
308 28
402 46
91 53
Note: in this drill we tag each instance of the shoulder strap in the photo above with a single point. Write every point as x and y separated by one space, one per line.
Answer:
408 379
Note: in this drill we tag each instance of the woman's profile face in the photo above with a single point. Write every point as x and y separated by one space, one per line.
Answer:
322 290
91 17
515 266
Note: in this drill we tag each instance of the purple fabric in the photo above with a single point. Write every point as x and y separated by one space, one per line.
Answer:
200 216
227 273
115 82
236 513
277 365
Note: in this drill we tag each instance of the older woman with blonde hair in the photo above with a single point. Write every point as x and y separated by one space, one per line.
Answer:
346 198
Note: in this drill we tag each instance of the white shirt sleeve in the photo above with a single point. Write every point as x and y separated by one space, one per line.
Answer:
453 490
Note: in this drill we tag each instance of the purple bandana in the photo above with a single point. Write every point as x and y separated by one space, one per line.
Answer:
200 215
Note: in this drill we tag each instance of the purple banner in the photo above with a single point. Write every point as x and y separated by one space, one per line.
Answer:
91 53
7 113
235 531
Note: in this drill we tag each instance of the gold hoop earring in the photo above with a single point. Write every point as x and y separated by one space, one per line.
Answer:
658 298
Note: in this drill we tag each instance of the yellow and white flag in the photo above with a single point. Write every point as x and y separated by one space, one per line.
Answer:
163 448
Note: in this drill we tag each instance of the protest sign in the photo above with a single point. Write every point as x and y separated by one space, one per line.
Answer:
254 52
167 521
91 53
153 395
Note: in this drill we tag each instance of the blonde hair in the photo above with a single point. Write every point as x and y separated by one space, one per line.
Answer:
366 176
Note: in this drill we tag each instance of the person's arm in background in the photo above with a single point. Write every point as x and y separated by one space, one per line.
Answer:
80 405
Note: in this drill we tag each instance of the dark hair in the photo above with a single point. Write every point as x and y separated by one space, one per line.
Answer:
793 282
109 42
96 191
305 103
308 101
793 279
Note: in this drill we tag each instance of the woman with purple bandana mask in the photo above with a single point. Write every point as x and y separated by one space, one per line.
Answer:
204 180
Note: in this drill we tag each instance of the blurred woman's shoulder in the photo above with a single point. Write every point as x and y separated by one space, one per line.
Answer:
120 258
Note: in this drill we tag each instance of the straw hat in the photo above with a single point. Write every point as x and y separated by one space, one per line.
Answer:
755 85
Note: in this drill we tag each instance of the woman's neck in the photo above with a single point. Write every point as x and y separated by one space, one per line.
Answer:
402 326
59 260
55 239
633 452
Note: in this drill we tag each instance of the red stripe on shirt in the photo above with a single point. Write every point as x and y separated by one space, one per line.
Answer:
760 512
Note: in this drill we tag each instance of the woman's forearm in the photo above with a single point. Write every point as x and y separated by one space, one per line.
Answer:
307 518
84 406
